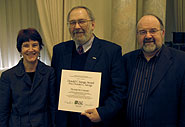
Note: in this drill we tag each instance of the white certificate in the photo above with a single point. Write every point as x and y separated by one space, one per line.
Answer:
79 90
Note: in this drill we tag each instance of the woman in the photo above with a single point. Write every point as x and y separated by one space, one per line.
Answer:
27 90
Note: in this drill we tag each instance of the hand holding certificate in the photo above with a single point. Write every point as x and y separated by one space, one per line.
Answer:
79 90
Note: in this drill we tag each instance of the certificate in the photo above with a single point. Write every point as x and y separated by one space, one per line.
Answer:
79 90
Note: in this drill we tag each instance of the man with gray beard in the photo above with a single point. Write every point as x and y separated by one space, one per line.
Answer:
86 52
156 79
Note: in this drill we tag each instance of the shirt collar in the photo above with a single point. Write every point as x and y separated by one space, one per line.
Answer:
87 45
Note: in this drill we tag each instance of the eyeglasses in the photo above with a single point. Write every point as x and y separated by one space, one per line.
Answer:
81 22
151 31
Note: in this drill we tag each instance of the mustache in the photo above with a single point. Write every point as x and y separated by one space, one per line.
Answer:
147 40
78 31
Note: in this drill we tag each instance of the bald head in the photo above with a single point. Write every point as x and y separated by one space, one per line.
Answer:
150 18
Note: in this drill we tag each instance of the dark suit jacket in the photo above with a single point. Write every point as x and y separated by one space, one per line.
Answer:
165 105
25 104
108 58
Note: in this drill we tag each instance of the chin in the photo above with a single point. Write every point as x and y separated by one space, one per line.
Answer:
81 41
32 60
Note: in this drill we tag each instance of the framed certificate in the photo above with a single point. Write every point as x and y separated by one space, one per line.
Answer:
79 90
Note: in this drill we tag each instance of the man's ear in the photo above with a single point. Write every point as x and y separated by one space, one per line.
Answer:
93 25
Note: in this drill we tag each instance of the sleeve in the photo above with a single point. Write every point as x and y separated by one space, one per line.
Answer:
54 58
52 98
182 104
118 93
5 100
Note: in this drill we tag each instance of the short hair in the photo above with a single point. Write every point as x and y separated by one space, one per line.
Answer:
160 21
28 34
89 12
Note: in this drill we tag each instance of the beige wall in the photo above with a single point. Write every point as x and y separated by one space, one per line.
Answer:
123 24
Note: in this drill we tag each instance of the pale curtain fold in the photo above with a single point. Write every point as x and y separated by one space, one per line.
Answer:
0 59
179 6
140 9
52 22
16 15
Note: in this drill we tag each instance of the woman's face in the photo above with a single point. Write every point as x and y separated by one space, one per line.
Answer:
30 51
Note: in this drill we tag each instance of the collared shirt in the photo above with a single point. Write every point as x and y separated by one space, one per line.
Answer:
140 86
87 45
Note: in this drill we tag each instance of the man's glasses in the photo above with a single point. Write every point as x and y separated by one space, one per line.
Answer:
151 31
81 22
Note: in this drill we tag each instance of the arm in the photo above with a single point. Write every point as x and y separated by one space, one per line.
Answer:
52 98
5 100
118 93
114 87
182 104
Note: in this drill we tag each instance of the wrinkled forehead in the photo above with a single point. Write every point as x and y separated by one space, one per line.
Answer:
148 22
79 13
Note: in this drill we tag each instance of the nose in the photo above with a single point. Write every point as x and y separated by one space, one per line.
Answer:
30 48
77 25
148 38
148 35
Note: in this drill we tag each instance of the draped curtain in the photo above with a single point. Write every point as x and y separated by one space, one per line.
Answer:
179 6
0 59
49 17
16 15
52 22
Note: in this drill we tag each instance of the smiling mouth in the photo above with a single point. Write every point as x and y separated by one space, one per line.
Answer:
78 32
149 41
31 54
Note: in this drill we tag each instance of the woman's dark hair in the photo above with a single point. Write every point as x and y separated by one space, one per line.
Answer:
28 34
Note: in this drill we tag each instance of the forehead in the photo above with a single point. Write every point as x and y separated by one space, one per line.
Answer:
30 42
78 13
148 22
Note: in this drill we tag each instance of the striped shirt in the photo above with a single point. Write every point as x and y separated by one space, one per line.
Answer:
139 91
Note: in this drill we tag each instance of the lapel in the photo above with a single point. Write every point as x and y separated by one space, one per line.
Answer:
93 55
39 75
68 55
161 68
20 72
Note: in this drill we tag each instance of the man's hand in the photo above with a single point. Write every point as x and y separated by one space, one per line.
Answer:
92 114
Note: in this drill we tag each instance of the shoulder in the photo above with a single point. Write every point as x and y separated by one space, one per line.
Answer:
63 45
107 45
43 67
177 55
131 54
175 52
10 72
106 42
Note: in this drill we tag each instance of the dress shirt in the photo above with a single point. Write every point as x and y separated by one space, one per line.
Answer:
86 46
140 89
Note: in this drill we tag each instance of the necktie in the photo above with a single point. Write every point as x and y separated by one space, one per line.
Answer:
80 49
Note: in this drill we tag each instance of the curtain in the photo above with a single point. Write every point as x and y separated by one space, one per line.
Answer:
0 59
52 22
179 6
16 15
140 9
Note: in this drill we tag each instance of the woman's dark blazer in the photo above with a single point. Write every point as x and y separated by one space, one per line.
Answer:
27 104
